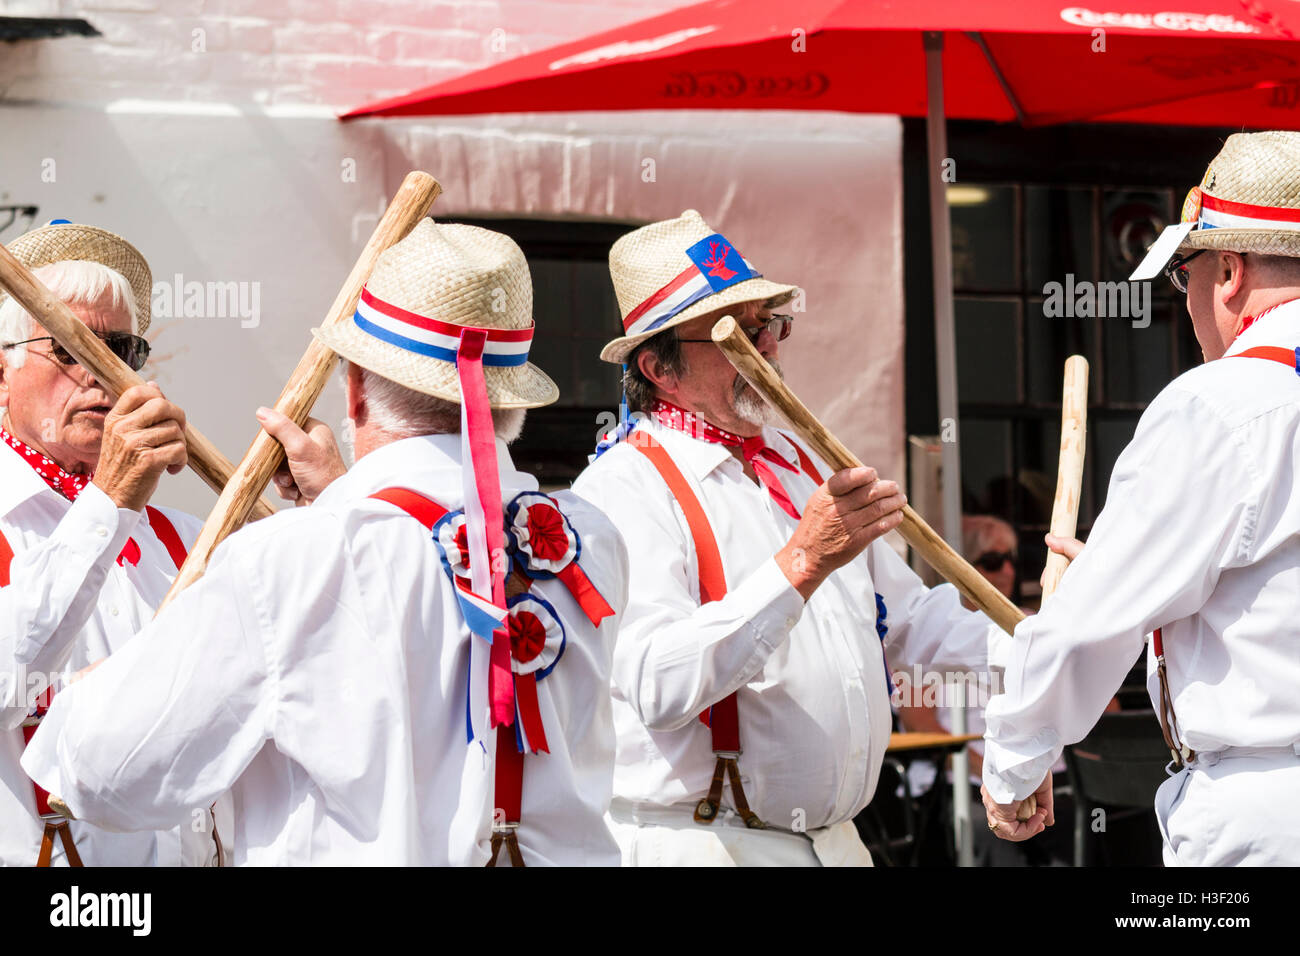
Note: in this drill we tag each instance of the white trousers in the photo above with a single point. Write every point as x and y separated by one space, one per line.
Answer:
1233 809
669 836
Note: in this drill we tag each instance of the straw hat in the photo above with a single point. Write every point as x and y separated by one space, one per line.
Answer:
673 271
1257 170
423 290
62 241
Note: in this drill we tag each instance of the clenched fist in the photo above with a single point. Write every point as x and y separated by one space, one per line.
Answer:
144 435
847 513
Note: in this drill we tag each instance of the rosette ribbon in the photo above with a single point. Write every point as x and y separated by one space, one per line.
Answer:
536 643
484 534
546 545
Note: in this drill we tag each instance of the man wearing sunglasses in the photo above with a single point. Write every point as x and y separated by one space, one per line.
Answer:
751 693
84 559
1198 547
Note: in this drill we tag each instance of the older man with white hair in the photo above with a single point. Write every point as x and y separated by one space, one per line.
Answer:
84 558
415 668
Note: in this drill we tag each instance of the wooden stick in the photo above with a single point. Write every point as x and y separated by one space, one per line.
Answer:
736 345
410 204
109 370
1069 473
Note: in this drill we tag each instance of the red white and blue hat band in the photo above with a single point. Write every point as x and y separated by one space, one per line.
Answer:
436 339
715 265
1225 214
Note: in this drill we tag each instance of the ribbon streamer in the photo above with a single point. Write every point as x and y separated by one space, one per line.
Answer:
483 511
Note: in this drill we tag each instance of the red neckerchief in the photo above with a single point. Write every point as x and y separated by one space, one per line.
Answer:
65 483
754 450
1250 320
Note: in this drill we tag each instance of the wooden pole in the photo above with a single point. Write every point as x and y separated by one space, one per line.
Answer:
736 345
109 370
1069 473
410 204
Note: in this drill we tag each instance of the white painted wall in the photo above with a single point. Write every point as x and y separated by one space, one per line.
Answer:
227 165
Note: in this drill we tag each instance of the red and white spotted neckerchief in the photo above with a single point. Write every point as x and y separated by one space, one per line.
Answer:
754 450
63 482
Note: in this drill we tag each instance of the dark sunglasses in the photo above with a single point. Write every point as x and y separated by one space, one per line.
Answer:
779 325
1177 272
993 560
131 349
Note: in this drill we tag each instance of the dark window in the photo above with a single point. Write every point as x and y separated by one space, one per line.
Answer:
1064 205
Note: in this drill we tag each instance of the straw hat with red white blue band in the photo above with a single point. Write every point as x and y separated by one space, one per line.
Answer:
673 271
424 292
63 241
1249 201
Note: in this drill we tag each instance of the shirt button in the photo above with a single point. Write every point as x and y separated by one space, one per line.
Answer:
114 612
102 532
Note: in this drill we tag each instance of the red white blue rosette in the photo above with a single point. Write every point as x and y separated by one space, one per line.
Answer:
544 540
545 545
537 642
451 535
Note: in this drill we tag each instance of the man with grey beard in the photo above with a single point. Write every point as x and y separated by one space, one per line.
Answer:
761 595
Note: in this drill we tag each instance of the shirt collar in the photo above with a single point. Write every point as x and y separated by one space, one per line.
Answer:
1279 325
18 482
702 457
428 463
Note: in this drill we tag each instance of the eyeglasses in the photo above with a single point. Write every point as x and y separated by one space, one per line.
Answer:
993 560
1177 272
131 349
779 325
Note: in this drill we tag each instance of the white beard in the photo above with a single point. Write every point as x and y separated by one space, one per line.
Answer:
750 406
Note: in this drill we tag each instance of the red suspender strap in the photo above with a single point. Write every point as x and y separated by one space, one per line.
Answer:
1274 353
166 532
6 556
722 718
509 779
423 510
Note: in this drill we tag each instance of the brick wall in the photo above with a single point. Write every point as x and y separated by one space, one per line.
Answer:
332 53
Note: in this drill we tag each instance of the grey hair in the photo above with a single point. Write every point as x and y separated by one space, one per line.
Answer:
400 412
672 361
75 282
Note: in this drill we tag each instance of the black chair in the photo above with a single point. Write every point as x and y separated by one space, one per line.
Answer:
1118 766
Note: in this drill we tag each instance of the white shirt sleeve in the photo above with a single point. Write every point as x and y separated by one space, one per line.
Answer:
1181 507
169 722
926 626
53 588
675 658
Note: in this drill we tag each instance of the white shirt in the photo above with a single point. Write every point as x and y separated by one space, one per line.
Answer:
320 670
1200 536
813 697
69 604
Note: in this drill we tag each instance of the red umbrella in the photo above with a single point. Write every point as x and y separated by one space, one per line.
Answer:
1036 61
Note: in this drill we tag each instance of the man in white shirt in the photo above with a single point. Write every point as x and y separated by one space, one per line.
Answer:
83 559
342 669
1198 546
756 572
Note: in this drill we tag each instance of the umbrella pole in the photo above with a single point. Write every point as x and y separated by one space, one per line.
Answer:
945 350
